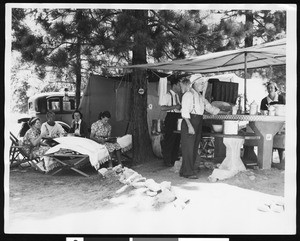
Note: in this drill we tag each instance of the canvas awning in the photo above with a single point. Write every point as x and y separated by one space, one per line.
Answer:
264 55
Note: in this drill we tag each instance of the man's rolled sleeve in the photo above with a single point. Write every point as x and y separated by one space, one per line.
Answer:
210 108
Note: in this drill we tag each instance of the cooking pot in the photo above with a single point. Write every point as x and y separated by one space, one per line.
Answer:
279 109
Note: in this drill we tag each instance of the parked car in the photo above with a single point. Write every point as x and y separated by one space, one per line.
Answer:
61 104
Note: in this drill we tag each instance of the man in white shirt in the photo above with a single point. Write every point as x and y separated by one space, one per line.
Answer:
193 106
171 104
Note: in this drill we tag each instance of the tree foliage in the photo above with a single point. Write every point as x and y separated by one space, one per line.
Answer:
72 43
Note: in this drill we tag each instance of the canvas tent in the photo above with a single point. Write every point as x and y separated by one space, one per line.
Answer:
112 94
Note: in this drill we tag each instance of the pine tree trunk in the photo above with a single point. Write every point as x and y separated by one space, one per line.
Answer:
249 28
78 64
142 148
78 75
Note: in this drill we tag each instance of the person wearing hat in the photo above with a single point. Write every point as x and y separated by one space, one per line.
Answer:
78 126
272 98
32 141
171 104
193 106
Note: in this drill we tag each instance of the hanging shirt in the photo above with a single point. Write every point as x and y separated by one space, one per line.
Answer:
162 90
194 103
171 99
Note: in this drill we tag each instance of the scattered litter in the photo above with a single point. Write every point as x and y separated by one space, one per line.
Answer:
59 182
165 185
252 178
180 203
163 192
152 185
263 208
151 193
210 165
177 166
122 189
212 179
139 185
276 206
118 168
133 177
166 196
102 171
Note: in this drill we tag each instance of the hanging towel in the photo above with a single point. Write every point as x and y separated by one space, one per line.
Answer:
162 89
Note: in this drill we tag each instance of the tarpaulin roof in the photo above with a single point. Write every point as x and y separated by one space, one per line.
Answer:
264 55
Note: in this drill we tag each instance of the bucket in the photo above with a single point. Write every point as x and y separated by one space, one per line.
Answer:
179 124
230 127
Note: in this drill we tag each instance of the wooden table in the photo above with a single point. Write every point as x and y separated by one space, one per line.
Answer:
263 126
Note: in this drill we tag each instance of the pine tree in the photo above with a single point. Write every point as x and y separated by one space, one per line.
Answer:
71 41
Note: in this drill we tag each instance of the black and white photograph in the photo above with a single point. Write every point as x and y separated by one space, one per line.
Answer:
150 119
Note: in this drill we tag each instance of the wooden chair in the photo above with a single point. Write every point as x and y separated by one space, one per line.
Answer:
17 155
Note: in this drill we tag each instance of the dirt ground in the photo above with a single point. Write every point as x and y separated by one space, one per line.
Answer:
36 195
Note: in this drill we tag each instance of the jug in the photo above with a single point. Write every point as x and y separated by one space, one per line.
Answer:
253 108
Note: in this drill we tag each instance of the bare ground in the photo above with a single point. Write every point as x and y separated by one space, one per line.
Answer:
33 195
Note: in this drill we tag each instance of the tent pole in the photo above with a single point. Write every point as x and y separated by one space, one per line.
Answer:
245 80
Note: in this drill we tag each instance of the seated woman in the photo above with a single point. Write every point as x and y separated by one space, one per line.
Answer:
51 128
32 141
272 98
78 126
101 131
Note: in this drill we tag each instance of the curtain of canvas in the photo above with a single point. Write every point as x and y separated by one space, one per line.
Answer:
225 91
123 103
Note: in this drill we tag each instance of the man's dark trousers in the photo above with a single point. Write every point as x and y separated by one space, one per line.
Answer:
171 140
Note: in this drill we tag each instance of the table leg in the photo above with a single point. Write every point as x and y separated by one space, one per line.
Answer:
266 131
232 163
233 159
220 150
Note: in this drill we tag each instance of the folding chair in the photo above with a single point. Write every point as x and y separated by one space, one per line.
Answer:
17 155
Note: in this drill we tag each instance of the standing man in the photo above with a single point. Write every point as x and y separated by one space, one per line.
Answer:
171 104
193 106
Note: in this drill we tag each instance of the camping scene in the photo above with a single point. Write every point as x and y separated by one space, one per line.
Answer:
150 119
